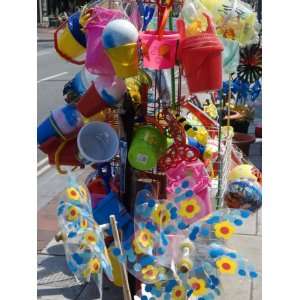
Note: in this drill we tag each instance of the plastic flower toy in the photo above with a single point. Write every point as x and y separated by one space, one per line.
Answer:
86 253
234 20
183 260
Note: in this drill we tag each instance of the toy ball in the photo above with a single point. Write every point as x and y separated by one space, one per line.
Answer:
119 32
243 194
245 171
110 89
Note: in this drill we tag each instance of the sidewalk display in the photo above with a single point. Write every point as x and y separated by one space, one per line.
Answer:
167 187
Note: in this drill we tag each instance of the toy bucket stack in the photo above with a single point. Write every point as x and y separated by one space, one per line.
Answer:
70 41
201 57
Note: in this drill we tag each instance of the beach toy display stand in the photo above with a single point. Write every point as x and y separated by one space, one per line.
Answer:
151 214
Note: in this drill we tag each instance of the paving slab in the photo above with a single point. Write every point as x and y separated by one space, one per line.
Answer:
249 246
110 291
249 226
256 291
54 248
54 280
259 222
234 288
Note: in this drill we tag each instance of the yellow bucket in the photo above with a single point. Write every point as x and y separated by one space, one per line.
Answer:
116 268
68 47
124 60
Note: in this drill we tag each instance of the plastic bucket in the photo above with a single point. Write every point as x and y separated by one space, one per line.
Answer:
159 52
147 146
97 61
201 57
67 119
110 89
90 103
46 130
70 44
97 142
82 81
243 141
124 60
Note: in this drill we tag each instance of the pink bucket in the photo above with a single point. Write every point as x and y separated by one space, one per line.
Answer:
189 183
97 61
159 51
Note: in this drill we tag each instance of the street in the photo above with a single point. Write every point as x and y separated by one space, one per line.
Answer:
53 73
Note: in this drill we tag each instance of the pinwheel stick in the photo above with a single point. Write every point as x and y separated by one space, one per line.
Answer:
115 232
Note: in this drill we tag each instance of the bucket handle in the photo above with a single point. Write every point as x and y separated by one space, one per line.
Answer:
165 11
58 50
181 26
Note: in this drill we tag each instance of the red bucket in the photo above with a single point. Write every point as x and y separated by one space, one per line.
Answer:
201 57
90 102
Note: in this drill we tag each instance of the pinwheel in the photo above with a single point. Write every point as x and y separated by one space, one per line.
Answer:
85 249
177 260
250 67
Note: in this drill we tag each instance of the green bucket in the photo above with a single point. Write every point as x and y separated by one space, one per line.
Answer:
147 146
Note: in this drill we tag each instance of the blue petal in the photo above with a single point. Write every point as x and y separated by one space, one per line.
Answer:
213 220
77 258
238 222
189 193
148 287
116 251
170 284
150 226
245 214
72 234
204 231
232 255
216 252
146 260
185 184
253 274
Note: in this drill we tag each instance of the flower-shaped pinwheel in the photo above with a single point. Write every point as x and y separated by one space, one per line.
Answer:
86 253
181 260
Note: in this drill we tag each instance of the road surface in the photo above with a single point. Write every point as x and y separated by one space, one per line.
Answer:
52 74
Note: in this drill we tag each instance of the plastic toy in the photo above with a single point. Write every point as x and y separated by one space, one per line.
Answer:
201 54
245 171
243 193
97 143
164 166
119 39
61 122
97 61
70 41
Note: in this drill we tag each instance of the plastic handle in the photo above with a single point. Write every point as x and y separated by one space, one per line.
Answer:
210 25
163 21
165 10
57 49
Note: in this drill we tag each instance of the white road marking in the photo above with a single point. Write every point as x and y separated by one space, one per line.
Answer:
42 162
43 170
53 76
41 53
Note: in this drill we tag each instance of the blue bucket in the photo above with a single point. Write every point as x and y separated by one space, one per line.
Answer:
75 29
45 131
